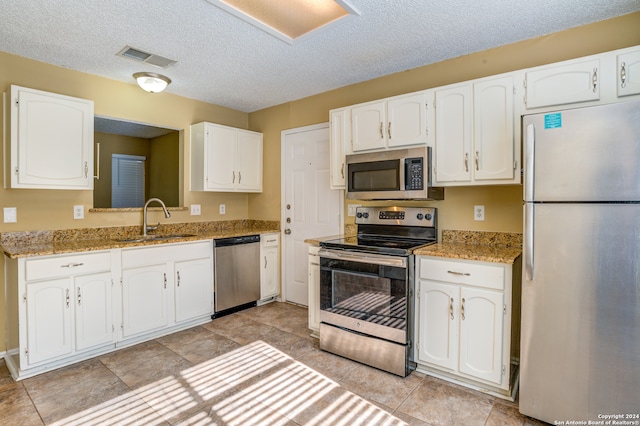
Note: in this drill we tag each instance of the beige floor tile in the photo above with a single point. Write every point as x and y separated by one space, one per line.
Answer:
440 403
198 344
380 386
84 393
16 408
6 381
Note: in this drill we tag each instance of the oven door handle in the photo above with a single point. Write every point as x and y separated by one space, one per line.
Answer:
397 261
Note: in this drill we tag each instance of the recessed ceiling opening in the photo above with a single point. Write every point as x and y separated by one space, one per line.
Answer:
288 20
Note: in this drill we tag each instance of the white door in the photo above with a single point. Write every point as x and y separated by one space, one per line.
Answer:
310 208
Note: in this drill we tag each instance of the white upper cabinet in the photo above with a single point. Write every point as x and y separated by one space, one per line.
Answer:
389 123
340 137
566 83
225 159
51 141
628 73
475 137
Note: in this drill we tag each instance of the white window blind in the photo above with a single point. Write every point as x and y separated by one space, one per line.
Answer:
127 180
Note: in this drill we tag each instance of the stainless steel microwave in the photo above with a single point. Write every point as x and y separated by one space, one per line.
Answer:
399 174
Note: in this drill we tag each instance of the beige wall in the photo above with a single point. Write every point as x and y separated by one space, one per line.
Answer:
43 210
503 204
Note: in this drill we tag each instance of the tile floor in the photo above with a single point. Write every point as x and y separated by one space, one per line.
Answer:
255 367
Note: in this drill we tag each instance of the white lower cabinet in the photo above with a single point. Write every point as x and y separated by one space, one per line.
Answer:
66 308
269 265
464 321
314 290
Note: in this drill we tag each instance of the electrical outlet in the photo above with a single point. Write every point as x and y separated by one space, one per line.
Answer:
352 209
223 209
78 212
195 210
10 215
478 213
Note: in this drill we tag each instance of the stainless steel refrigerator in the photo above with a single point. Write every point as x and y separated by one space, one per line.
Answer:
580 343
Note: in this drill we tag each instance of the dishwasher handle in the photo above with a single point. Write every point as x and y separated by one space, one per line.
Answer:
235 241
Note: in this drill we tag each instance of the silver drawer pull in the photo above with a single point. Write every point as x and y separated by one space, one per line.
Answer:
465 274
71 265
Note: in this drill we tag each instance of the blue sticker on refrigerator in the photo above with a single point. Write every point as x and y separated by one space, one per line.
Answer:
553 121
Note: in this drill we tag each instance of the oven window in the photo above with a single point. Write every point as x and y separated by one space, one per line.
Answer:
375 176
368 292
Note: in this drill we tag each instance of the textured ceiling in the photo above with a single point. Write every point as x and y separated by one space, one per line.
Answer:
223 60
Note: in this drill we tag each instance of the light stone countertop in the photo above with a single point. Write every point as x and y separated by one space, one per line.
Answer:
497 247
41 243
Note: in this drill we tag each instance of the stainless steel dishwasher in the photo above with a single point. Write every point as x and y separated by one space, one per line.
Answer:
236 273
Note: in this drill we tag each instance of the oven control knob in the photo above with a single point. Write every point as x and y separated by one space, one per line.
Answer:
358 215
365 215
420 216
428 216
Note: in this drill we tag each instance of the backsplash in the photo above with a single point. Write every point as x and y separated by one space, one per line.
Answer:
504 239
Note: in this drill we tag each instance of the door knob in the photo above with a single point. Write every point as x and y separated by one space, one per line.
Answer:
287 231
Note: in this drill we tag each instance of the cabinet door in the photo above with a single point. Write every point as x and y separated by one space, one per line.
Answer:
93 313
563 84
49 305
270 271
249 160
407 120
340 137
368 128
220 157
481 325
51 140
144 304
493 138
314 292
437 323
628 74
193 289
453 134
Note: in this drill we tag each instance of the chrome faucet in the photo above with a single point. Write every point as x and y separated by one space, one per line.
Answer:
146 228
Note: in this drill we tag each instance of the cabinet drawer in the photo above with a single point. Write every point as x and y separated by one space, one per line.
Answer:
462 272
64 266
163 253
269 240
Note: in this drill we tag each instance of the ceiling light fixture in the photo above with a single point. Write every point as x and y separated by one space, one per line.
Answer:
152 82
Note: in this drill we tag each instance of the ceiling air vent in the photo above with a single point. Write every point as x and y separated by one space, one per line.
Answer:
148 58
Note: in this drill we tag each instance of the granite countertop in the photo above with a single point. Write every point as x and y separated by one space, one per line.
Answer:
41 243
498 247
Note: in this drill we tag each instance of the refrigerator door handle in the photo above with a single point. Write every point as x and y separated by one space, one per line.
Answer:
528 169
528 241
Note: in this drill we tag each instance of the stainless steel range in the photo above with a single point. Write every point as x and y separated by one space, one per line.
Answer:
367 287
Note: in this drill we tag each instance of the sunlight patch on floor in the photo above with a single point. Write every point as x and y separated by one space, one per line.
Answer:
255 384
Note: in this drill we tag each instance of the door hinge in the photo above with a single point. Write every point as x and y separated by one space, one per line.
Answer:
504 309
24 298
17 102
122 326
113 328
26 351
16 171
504 369
121 283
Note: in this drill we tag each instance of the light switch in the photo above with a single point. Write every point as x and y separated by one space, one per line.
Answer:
195 210
10 215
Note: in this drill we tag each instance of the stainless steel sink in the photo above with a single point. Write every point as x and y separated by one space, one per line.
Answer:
141 238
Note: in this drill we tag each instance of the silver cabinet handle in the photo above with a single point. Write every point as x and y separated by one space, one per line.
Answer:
165 280
265 262
342 171
239 177
381 130
178 278
86 170
389 130
465 274
67 298
466 162
594 79
451 308
71 265
79 297
477 161
233 180
462 309
623 75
